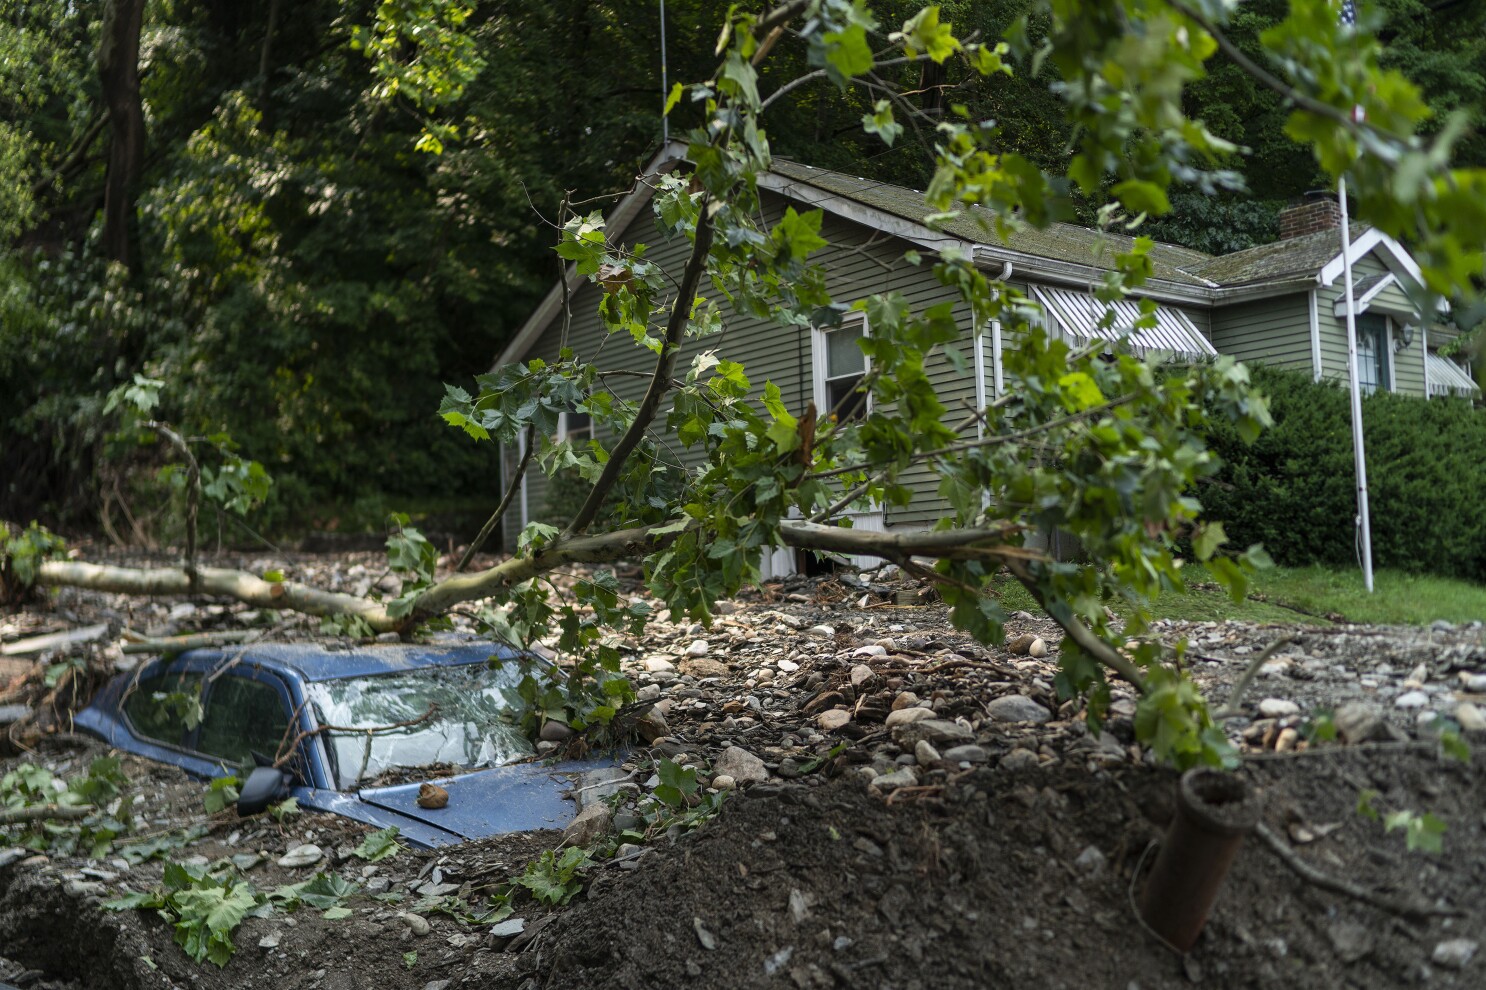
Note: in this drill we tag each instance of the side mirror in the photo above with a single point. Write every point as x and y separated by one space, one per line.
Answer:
264 786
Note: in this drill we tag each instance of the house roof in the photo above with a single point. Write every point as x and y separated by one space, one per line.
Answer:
1058 242
1070 253
1297 256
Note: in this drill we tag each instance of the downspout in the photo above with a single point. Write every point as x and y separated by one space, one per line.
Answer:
1424 345
996 339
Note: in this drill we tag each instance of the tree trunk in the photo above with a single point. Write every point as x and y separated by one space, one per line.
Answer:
118 70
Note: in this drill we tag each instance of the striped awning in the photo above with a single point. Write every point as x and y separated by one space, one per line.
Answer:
1078 314
1448 378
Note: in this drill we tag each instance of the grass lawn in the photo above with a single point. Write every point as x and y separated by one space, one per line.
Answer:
1313 594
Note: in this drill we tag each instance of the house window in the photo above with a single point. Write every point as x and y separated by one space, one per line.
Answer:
1373 352
575 427
840 367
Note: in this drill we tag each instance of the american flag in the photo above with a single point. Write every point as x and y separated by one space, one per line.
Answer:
1348 16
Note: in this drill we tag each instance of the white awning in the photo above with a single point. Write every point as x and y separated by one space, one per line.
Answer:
1448 378
1078 314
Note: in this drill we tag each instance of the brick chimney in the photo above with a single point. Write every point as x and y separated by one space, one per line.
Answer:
1317 212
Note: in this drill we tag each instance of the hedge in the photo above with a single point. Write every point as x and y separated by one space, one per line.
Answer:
1293 488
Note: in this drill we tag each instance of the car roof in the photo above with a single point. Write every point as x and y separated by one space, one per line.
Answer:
333 661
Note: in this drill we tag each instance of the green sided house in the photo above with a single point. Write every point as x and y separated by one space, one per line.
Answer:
1277 304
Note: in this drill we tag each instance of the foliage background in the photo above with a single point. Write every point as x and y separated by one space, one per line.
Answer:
309 280
1292 489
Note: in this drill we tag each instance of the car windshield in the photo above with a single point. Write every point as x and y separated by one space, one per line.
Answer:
454 715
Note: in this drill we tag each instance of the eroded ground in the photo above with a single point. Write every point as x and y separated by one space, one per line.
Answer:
906 809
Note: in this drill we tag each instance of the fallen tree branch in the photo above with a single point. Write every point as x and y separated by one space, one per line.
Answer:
1080 633
42 812
1236 695
660 381
1397 905
138 643
227 583
505 502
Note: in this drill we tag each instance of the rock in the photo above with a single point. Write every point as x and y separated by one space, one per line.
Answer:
936 731
554 731
1470 717
724 608
874 650
700 667
509 928
438 984
1419 676
787 666
1090 862
305 855
966 754
1038 648
861 674
1351 940
905 699
270 941
649 692
907 716
925 753
799 905
1017 708
86 888
697 648
1019 759
590 825
659 665
1286 740
1455 953
1411 699
833 720
432 796
707 940
821 631
1473 683
652 725
1278 708
724 782
1022 645
545 747
764 676
1358 722
741 765
417 924
12 855
902 777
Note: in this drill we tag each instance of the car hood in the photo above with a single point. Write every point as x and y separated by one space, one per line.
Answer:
517 797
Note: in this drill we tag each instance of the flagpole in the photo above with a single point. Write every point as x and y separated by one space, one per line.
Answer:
1359 455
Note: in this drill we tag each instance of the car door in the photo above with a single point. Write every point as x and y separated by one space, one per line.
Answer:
245 719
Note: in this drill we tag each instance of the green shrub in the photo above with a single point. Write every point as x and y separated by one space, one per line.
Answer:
1293 488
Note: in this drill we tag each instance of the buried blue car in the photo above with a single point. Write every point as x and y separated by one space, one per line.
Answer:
355 730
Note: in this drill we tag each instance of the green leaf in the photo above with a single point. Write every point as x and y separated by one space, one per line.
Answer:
336 913
673 98
1208 538
880 122
847 53
379 845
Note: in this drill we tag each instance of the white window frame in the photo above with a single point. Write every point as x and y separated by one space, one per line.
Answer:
562 427
819 392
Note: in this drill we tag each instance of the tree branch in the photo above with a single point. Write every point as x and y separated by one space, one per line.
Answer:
41 812
193 491
660 381
1080 633
505 502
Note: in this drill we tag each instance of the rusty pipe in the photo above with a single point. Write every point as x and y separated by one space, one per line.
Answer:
1214 811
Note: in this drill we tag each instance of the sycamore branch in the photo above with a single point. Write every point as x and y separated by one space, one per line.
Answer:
42 812
505 502
1081 634
193 491
660 381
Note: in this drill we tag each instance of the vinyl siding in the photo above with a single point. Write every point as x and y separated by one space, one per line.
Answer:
857 265
1408 364
1274 331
